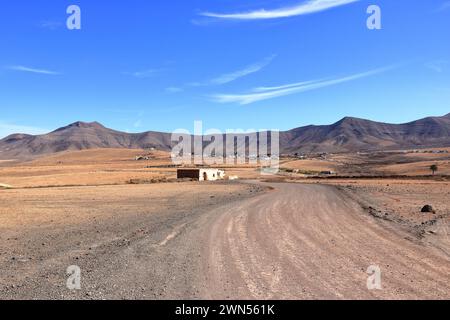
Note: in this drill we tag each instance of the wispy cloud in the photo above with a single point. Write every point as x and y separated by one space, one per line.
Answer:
235 75
8 128
137 123
307 7
286 86
229 77
32 70
437 66
174 89
51 25
226 77
444 6
144 73
264 93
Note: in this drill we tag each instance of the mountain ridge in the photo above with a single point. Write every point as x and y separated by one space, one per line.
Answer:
349 134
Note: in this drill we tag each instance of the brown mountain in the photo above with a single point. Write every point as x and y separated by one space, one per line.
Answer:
353 134
79 136
346 135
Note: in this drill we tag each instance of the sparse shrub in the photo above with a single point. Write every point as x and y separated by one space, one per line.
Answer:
434 168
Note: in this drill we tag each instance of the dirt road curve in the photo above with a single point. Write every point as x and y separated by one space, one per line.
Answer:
294 242
309 241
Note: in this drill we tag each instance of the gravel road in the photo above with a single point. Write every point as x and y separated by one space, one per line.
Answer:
293 242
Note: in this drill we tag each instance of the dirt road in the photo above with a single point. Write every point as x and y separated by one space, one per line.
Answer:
311 242
294 242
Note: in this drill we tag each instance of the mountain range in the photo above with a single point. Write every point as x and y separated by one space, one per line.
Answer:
346 135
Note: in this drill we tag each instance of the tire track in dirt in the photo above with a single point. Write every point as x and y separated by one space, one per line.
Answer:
312 242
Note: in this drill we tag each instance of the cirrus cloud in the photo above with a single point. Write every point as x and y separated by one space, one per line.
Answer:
265 93
229 77
308 7
32 70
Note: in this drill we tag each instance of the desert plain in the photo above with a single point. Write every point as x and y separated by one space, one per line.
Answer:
136 232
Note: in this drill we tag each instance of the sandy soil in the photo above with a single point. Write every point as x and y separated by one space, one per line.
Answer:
118 166
99 167
312 242
87 168
401 201
380 163
218 240
118 235
309 239
311 165
417 168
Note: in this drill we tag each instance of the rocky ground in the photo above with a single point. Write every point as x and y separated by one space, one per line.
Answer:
117 235
224 240
401 202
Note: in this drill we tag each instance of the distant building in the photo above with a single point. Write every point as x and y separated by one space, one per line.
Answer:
201 174
139 158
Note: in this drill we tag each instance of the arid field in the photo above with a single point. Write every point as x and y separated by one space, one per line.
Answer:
136 232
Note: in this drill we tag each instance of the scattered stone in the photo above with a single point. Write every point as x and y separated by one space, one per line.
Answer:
427 209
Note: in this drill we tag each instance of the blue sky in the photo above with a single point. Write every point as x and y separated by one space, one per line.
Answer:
140 65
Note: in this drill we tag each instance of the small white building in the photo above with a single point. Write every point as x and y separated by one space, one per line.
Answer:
201 174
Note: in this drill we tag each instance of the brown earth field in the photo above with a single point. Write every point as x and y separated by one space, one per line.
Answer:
98 167
402 162
137 233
